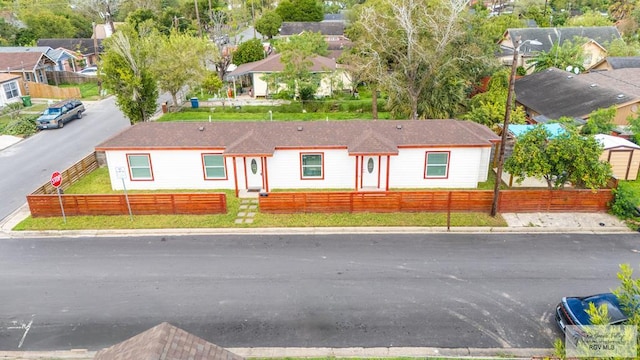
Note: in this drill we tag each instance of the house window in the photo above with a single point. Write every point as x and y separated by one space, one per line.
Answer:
214 167
311 166
11 90
140 167
436 165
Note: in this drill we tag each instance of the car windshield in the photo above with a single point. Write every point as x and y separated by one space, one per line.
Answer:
52 111
613 310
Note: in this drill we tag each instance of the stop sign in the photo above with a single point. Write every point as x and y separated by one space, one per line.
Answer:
56 179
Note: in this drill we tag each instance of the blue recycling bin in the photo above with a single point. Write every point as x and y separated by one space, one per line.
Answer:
194 102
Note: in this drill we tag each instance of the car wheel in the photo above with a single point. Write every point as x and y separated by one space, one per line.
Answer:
79 115
60 124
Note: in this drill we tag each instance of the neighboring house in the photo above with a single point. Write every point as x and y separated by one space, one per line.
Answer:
622 154
165 342
10 89
87 48
554 93
244 156
103 31
598 37
251 75
31 66
330 30
615 63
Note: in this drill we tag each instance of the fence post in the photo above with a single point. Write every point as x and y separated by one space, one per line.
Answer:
449 212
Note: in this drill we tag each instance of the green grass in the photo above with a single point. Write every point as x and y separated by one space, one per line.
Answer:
98 183
88 90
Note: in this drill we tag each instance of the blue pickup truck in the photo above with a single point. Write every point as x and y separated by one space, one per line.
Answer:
56 115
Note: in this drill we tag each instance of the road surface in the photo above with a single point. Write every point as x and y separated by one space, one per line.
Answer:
440 290
29 164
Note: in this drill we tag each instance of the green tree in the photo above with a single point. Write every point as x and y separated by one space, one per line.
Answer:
211 83
426 50
40 23
599 122
179 61
488 108
588 19
634 125
296 55
570 53
619 47
140 16
565 158
248 51
269 24
8 33
126 65
300 10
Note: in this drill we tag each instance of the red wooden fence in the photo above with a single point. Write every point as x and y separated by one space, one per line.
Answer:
436 201
141 204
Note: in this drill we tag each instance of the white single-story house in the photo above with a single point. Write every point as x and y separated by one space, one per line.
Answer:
253 75
355 155
10 89
622 154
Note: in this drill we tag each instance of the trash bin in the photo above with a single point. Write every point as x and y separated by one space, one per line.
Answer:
165 108
194 102
26 100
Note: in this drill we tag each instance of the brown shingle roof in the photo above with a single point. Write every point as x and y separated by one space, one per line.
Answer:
8 77
165 342
380 137
11 61
273 64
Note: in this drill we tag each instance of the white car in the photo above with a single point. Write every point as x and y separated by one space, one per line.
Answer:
89 71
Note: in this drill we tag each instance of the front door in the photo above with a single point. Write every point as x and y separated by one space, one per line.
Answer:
370 172
254 173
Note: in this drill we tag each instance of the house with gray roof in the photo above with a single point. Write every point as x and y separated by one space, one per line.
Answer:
268 155
65 59
253 76
554 93
615 63
87 48
597 38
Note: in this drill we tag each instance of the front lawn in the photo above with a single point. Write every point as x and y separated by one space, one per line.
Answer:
89 90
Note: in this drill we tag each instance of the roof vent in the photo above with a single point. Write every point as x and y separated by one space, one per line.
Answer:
569 76
620 96
399 126
593 85
201 128
299 128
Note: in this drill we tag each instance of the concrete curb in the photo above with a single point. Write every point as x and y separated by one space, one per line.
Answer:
299 352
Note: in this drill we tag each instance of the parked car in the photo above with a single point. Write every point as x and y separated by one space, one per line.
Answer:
573 311
90 71
56 115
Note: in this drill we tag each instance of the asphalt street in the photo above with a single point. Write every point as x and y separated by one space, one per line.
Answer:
28 164
439 290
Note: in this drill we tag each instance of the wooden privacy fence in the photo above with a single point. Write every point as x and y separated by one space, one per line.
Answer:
436 201
39 90
116 204
83 167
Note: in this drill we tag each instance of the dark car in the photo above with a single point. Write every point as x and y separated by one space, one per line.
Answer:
573 311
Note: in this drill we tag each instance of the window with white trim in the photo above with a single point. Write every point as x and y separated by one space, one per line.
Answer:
214 166
140 167
311 166
437 165
11 90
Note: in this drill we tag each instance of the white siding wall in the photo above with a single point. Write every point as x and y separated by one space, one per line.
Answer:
284 170
172 169
407 169
483 165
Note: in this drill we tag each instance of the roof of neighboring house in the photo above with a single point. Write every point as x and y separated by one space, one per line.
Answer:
359 137
273 64
556 93
324 28
4 77
334 17
19 61
620 62
554 129
612 142
84 46
15 49
550 36
103 31
625 80
165 342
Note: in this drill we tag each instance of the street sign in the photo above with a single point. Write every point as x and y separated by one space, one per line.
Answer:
56 179
121 172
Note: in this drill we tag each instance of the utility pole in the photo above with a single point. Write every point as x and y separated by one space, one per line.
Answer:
198 18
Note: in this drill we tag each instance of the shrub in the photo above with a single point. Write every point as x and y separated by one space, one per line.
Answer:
624 201
24 126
